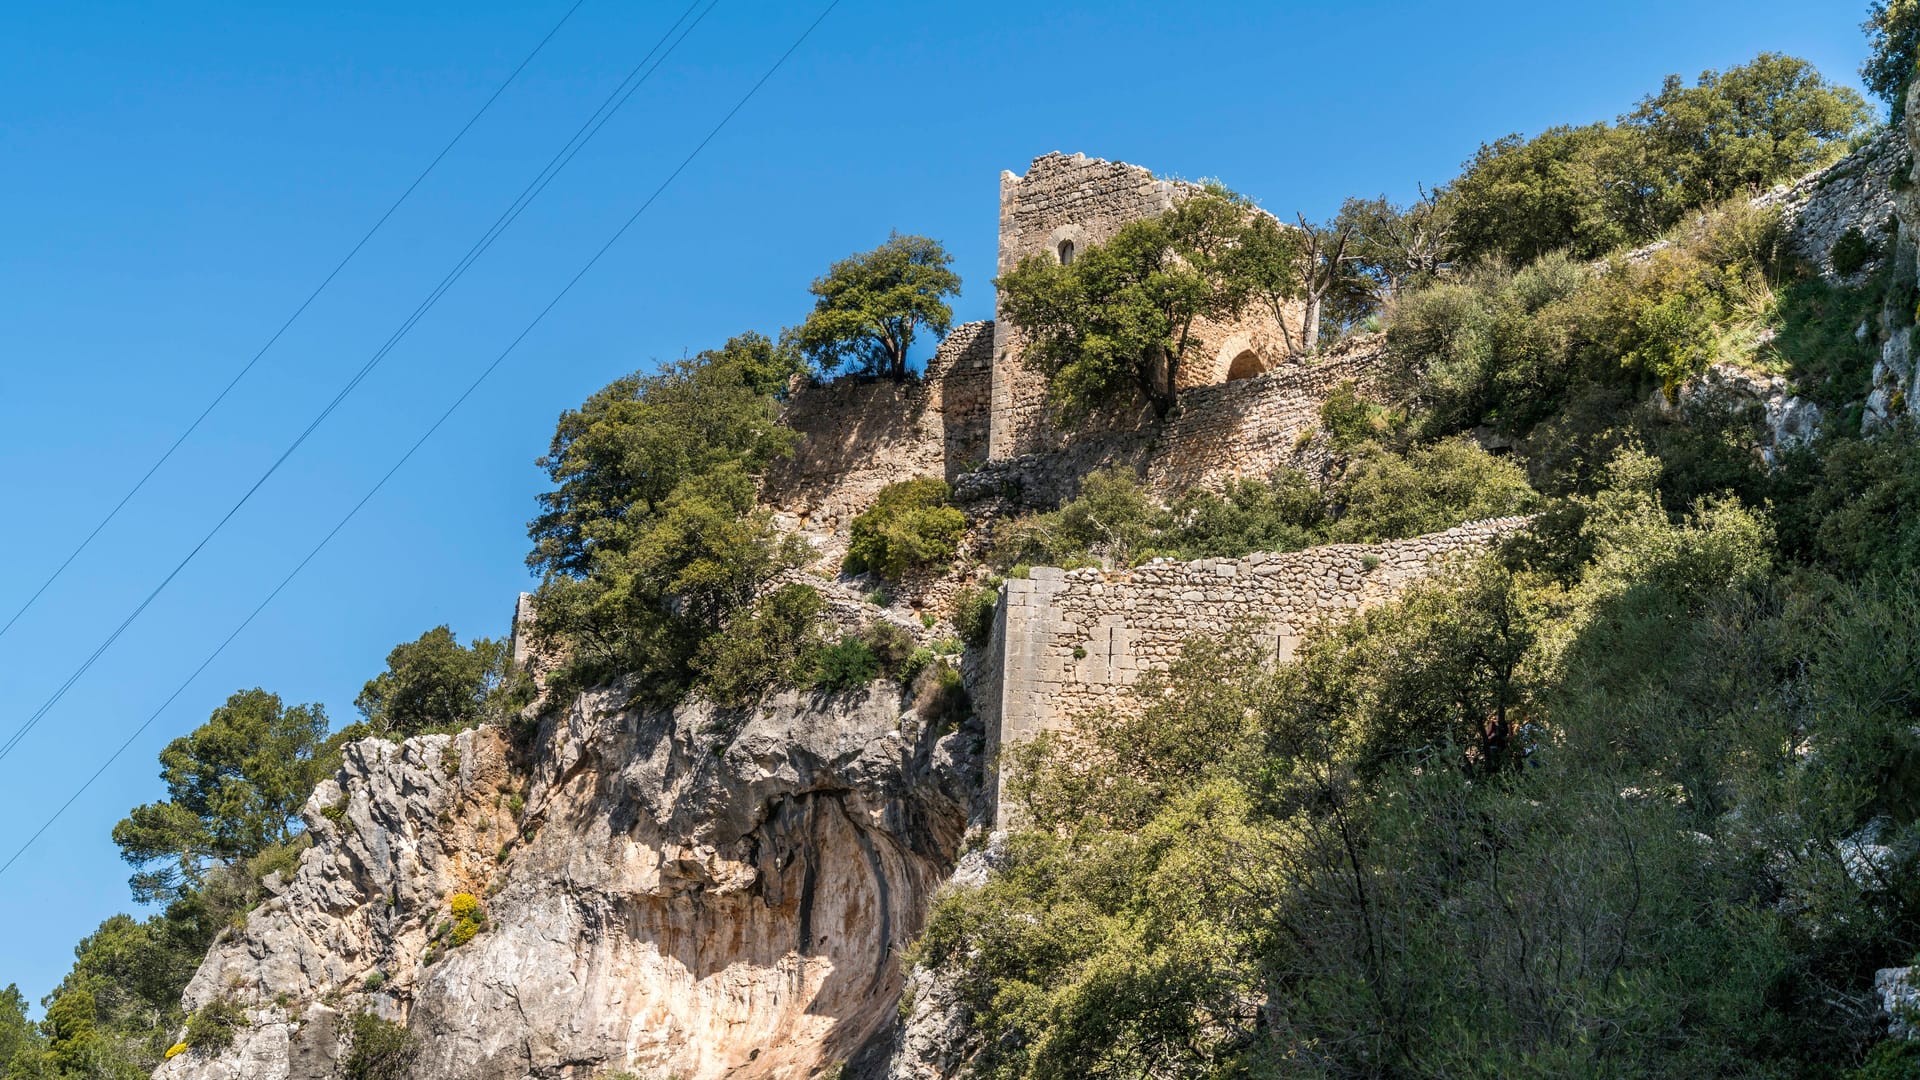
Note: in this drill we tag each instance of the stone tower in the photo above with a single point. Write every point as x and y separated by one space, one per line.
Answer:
1063 205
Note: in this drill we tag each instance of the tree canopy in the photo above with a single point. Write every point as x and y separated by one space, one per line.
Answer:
618 458
1118 320
1597 187
235 786
869 307
433 682
1893 28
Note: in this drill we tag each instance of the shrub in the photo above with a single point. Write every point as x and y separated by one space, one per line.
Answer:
973 612
1348 419
1391 497
377 1049
762 648
213 1027
434 684
1851 252
174 1051
847 664
468 919
915 664
891 646
911 524
940 697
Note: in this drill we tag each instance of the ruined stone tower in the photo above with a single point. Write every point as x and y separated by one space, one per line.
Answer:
1062 206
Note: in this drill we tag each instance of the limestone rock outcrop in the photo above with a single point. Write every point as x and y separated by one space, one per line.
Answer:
693 893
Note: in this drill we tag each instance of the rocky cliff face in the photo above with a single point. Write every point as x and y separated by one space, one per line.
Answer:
693 894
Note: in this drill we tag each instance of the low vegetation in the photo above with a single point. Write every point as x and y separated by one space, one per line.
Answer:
912 525
1632 796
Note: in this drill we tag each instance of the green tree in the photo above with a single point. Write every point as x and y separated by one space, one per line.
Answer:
1588 189
869 307
1893 26
1397 247
770 645
1306 275
644 608
1118 320
911 524
433 682
235 787
1594 188
617 459
19 1036
1737 131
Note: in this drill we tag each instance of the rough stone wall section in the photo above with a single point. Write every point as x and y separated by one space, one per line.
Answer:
857 435
1855 192
1074 641
1080 201
1245 428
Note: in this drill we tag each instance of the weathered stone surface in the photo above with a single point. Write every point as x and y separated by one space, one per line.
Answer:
669 898
1899 1000
1781 419
1075 641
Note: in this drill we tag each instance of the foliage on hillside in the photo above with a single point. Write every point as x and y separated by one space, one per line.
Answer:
1631 797
1523 822
1381 494
1634 796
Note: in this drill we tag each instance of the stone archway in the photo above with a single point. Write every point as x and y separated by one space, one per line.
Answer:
1236 358
1245 366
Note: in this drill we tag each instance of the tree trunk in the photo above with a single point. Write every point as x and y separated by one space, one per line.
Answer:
1310 326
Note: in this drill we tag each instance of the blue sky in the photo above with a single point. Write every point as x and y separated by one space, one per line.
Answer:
175 177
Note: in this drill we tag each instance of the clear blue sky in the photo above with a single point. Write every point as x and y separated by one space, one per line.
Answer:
174 177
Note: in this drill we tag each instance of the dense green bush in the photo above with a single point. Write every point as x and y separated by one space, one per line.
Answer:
377 1049
1851 252
1511 349
847 664
1386 496
434 684
1350 420
1389 856
652 538
973 612
1594 188
911 525
766 647
213 1027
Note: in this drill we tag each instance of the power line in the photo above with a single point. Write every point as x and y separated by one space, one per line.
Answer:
428 434
297 312
598 119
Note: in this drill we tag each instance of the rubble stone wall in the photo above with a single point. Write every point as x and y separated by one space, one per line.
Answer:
1857 192
859 434
1245 428
1073 641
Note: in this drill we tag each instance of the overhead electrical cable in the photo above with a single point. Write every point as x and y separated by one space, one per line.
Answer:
428 434
286 324
619 97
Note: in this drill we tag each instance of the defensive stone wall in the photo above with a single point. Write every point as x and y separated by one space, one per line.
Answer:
1062 206
1244 428
859 434
1073 641
1856 192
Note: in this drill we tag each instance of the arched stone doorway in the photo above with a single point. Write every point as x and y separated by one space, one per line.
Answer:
1245 366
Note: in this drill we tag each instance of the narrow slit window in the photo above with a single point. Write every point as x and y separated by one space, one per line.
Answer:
1066 252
